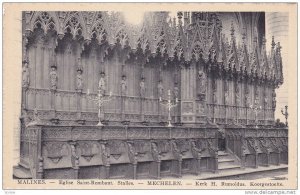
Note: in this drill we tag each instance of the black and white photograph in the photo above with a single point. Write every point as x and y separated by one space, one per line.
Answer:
152 95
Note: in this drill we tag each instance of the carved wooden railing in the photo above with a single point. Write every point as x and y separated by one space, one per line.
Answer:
134 108
258 146
228 114
120 108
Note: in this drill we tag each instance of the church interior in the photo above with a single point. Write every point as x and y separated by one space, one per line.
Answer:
188 95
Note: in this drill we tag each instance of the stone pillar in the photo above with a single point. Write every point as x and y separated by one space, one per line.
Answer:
277 26
16 91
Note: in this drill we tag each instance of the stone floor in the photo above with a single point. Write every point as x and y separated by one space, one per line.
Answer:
272 172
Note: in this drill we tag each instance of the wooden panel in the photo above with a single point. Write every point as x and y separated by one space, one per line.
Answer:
92 172
59 174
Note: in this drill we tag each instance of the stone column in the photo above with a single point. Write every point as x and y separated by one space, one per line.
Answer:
277 26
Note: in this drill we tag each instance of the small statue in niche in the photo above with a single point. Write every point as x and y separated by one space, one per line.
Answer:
160 89
202 78
123 85
79 80
25 74
176 91
142 88
256 100
102 84
53 78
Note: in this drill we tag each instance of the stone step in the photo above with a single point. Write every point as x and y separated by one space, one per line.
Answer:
222 153
249 173
225 161
225 156
226 168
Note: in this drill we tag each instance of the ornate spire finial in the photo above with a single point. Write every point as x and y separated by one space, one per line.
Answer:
179 15
279 47
273 43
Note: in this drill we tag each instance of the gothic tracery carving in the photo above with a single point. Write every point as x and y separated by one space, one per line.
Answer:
199 38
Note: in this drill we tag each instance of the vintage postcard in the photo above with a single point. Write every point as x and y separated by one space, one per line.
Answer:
150 96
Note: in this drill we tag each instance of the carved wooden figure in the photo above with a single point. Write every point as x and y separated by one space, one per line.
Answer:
142 88
102 83
53 78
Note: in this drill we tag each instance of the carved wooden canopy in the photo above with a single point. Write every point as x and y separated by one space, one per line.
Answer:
198 38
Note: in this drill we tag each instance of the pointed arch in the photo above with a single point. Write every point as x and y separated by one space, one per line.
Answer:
46 20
